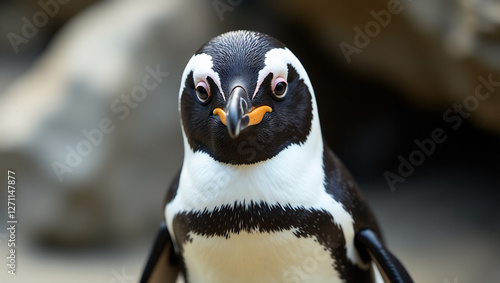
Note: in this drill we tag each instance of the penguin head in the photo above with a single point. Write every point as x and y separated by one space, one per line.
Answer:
244 98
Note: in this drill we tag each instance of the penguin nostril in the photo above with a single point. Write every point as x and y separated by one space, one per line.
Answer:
243 105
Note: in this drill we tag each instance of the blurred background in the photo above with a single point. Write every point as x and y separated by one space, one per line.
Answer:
385 73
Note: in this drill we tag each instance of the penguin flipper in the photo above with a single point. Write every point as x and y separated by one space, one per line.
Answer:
389 266
162 265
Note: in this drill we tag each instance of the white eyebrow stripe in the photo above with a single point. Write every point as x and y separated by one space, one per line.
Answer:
276 62
201 66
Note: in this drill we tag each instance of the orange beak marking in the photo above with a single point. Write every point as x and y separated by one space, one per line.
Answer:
255 116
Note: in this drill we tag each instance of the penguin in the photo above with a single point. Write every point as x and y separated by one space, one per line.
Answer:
260 196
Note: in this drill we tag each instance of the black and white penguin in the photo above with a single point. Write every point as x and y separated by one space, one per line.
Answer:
260 197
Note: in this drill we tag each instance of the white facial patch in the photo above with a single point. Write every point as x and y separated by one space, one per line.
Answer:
277 61
201 66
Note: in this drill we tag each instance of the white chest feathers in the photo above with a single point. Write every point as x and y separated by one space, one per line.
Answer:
258 257
295 179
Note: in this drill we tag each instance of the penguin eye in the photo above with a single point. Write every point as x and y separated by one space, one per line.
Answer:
202 91
279 87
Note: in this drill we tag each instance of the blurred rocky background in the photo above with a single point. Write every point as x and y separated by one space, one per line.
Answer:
385 74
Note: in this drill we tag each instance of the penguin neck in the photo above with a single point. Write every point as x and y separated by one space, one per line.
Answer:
294 176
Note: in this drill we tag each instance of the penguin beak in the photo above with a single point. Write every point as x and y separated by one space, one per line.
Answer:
239 114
